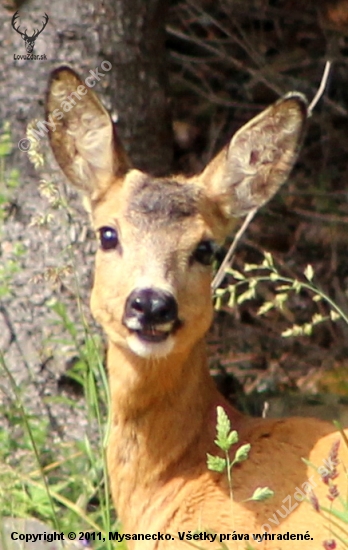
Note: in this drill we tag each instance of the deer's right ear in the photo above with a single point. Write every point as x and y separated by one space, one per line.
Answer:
257 161
82 135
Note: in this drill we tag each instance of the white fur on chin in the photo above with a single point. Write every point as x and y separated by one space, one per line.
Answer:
150 349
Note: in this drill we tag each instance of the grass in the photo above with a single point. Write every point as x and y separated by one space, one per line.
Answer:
71 492
64 485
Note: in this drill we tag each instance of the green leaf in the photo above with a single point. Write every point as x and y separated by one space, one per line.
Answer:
224 436
309 272
334 316
318 318
236 274
307 329
241 454
282 288
13 178
220 292
247 295
268 261
267 306
261 493
295 330
232 299
223 425
280 299
216 463
232 438
218 303
297 286
251 267
5 145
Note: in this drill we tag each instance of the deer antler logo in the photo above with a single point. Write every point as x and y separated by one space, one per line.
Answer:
29 40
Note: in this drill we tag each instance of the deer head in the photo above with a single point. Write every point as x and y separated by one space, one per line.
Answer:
29 40
158 235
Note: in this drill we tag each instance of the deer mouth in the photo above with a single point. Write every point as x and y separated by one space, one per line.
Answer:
152 333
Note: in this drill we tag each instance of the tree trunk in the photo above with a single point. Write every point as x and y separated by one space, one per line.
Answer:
82 34
132 39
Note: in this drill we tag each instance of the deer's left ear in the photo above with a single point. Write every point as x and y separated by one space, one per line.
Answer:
252 167
82 135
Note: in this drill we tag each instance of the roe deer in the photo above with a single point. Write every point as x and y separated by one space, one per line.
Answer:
152 295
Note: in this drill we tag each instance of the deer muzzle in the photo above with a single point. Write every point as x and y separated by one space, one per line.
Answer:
152 314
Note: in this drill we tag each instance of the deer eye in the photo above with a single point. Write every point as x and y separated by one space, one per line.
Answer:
204 253
108 238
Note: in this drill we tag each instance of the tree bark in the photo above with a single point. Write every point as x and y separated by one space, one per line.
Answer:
80 33
132 39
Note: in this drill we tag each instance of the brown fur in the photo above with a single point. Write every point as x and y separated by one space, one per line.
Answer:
163 413
161 200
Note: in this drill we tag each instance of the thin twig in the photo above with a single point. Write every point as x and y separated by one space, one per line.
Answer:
228 258
321 88
226 262
322 216
212 97
224 56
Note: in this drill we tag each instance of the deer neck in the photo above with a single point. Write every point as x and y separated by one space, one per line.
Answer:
162 413
149 394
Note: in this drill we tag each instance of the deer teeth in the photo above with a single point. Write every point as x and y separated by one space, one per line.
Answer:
136 325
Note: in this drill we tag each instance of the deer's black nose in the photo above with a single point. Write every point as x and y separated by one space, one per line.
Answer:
151 307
